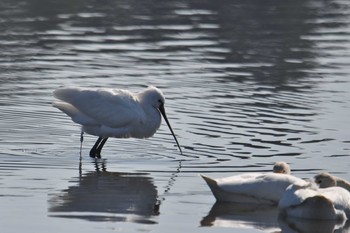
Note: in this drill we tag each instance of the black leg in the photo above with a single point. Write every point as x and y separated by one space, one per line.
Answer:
94 148
99 148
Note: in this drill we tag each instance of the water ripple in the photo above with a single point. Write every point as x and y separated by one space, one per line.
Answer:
246 84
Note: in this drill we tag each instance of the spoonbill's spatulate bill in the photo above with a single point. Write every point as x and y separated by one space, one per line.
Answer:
114 113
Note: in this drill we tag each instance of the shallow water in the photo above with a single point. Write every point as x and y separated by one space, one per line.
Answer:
247 83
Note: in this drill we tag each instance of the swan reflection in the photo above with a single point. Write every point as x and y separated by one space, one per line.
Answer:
291 225
266 218
262 217
107 196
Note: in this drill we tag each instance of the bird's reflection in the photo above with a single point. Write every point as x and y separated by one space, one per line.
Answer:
263 217
107 196
266 218
291 225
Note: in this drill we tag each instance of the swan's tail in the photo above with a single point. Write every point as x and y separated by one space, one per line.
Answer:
223 195
214 187
211 182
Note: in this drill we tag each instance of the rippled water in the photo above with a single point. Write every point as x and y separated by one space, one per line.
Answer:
247 83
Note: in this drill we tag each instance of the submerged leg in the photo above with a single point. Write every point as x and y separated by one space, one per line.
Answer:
99 148
81 142
94 148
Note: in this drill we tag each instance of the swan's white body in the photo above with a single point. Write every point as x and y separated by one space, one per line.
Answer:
253 188
310 202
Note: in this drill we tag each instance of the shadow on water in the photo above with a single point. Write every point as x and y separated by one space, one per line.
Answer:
107 196
265 218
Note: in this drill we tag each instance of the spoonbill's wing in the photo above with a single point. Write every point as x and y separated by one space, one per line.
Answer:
75 114
112 108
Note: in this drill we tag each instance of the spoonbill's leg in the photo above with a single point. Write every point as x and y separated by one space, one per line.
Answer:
94 148
81 142
99 148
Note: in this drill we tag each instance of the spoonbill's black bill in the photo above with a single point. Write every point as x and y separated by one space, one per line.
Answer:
114 113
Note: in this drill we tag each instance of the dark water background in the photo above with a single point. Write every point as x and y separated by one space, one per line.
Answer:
247 83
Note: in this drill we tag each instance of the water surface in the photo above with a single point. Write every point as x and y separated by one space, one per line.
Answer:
247 83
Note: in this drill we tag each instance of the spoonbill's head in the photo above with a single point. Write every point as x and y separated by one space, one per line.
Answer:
155 97
325 180
281 167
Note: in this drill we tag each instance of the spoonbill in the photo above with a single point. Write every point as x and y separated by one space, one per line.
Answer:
114 113
255 187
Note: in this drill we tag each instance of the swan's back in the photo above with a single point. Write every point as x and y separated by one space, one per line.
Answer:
294 195
309 202
316 207
339 196
264 188
268 186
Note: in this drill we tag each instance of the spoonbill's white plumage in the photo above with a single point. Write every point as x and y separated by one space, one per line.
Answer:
252 188
311 202
325 180
114 113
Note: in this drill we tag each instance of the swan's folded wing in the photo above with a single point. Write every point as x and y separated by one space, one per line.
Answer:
339 196
268 186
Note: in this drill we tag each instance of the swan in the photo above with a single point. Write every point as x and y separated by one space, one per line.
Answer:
325 180
310 202
252 188
281 167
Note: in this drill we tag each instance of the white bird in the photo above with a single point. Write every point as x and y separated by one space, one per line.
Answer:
114 113
325 180
252 188
281 167
310 202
